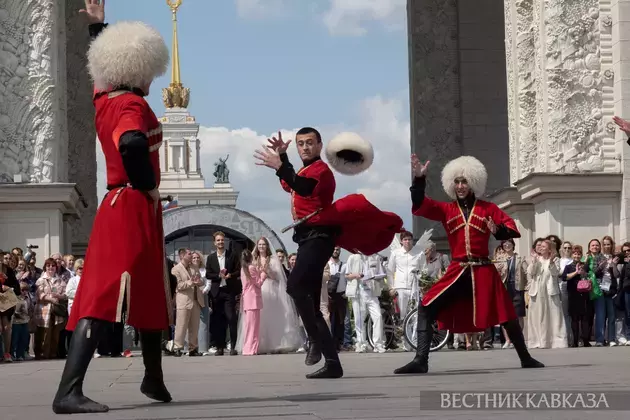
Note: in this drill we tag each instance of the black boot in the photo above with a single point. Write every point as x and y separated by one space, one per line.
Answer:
314 352
515 334
153 382
306 310
331 370
332 367
420 363
70 398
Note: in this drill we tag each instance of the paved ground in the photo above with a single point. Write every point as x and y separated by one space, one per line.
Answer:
274 387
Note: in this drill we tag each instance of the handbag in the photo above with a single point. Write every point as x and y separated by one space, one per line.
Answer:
8 300
584 286
60 309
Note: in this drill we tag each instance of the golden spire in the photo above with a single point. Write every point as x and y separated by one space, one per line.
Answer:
175 95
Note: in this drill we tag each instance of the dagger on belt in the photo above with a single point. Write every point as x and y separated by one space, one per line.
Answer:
302 220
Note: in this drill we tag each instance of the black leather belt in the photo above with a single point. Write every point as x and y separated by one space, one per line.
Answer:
473 261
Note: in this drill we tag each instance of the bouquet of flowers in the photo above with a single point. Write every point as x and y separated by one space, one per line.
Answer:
425 281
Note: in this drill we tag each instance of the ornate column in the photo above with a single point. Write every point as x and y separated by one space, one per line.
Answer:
617 20
47 171
32 96
561 102
434 92
519 39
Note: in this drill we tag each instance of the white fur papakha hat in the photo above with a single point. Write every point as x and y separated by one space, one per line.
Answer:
129 54
465 167
349 154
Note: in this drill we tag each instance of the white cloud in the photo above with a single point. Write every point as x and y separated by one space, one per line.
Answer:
350 17
256 9
341 17
382 121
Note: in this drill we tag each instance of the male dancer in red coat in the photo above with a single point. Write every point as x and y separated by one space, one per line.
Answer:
350 222
125 260
470 296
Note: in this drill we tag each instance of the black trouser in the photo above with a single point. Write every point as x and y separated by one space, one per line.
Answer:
63 343
338 306
223 316
305 286
581 321
111 342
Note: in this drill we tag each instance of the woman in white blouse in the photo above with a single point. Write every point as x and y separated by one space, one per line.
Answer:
545 320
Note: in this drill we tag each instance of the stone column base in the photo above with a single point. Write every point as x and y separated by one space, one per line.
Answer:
575 207
36 214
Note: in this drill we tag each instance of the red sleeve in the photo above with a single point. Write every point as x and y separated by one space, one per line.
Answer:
325 182
501 218
132 117
430 209
285 186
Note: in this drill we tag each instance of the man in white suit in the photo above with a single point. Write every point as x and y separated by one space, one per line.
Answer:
364 276
189 300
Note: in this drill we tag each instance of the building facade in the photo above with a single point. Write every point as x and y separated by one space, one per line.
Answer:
530 88
199 212
47 153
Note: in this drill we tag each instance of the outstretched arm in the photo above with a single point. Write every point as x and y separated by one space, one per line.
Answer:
421 205
274 156
501 225
623 126
95 12
302 185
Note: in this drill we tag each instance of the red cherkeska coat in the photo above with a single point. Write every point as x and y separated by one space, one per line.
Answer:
364 228
125 255
491 303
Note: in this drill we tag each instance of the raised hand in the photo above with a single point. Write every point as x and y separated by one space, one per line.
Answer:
623 124
268 157
94 10
277 145
418 168
491 225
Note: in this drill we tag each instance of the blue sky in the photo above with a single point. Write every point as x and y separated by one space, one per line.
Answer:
258 66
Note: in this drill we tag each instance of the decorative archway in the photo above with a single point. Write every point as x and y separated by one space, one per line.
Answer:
207 214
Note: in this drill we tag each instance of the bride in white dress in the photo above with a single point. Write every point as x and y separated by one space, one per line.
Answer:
279 322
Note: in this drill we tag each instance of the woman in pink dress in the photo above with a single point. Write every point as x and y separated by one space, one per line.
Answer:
252 278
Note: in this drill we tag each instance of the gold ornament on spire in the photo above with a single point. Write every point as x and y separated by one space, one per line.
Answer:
175 95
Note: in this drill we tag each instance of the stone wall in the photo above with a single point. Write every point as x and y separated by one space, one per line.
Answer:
434 92
80 117
458 93
483 87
